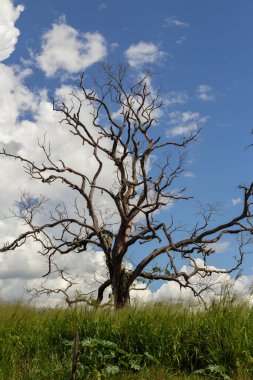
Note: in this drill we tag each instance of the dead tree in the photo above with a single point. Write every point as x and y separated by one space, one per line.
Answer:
124 132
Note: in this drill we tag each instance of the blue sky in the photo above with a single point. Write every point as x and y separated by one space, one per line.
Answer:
213 48
199 51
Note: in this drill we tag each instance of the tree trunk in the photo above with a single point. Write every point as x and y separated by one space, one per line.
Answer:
121 298
120 286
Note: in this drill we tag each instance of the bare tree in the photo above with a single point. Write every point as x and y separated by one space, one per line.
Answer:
124 133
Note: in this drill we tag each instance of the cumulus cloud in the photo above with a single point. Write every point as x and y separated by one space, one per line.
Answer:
144 53
8 32
205 93
174 21
64 48
26 116
216 285
26 266
171 292
184 122
86 272
15 98
21 271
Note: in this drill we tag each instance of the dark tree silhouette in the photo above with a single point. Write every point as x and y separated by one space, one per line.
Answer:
139 190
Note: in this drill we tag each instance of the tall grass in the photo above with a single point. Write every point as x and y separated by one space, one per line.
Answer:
217 342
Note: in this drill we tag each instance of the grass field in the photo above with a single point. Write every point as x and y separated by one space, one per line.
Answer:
157 342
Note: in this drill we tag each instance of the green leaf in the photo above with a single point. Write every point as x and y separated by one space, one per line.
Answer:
135 366
111 369
151 358
156 269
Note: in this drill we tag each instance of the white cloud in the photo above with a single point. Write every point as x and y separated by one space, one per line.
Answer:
184 122
205 93
87 271
64 48
15 99
175 97
189 174
24 117
8 32
21 264
171 292
236 201
174 21
23 269
220 247
144 53
216 284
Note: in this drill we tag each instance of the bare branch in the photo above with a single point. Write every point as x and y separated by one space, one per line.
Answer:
127 148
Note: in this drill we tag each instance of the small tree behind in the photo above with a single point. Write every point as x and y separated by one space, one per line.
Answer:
124 133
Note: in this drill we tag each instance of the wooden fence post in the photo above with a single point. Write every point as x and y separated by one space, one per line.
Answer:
75 355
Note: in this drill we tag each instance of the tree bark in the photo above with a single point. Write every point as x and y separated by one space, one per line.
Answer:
120 286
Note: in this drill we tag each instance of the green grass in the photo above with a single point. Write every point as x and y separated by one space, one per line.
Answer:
218 342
